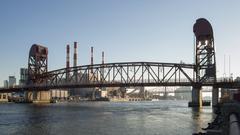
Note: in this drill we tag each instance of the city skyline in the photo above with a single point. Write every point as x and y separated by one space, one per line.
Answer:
125 31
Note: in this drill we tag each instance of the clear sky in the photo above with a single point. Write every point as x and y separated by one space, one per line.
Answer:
127 30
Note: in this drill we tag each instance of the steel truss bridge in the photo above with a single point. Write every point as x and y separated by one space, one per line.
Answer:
121 75
201 73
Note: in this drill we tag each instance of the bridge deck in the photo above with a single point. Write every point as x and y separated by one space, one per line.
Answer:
121 75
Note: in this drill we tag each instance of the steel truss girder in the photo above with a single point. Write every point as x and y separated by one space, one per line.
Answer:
129 74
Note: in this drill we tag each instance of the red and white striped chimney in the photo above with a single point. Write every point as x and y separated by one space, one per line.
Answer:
102 57
91 55
91 58
68 57
75 55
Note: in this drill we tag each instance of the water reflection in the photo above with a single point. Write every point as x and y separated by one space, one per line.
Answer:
104 118
201 116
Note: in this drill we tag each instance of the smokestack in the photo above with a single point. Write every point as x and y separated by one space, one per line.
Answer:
91 55
102 69
91 58
68 57
67 62
75 55
102 57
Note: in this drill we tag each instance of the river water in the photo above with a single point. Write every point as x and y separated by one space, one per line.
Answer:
163 117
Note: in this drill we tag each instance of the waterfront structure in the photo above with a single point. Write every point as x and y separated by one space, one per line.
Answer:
78 92
180 93
37 66
3 97
205 61
59 94
103 93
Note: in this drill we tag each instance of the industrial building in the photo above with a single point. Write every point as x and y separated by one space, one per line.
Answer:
59 94
78 92
183 94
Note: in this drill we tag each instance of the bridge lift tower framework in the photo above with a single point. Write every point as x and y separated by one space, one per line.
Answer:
205 61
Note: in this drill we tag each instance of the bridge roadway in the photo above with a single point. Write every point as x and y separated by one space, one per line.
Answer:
120 75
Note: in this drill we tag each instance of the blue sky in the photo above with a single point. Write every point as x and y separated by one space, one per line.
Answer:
127 30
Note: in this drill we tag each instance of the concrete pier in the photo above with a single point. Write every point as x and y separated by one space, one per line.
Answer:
29 96
196 97
38 96
42 97
215 95
224 92
3 97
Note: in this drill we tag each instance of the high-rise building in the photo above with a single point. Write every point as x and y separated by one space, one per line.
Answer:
12 81
5 83
23 76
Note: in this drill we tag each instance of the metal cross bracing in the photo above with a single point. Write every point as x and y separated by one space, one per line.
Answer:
122 74
116 75
37 64
205 59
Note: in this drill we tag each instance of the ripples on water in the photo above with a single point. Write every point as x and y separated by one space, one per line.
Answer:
103 118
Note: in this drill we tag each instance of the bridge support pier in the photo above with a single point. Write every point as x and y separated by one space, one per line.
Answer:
41 97
215 95
225 95
38 96
224 92
29 96
196 97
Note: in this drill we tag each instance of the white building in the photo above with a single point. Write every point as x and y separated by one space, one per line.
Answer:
59 94
183 93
